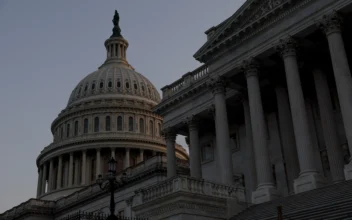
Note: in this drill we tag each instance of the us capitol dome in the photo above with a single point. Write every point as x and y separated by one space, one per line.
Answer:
109 114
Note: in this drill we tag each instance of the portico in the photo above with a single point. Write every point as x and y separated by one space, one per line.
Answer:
254 127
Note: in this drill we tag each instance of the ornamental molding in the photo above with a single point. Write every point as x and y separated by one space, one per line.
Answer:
226 39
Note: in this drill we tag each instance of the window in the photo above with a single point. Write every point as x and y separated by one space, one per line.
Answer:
86 88
159 129
96 124
119 123
207 153
101 85
61 132
68 130
141 125
110 84
121 213
151 128
135 86
79 91
76 128
127 85
118 84
130 124
85 126
107 123
93 86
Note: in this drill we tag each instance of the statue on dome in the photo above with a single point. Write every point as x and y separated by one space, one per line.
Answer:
116 31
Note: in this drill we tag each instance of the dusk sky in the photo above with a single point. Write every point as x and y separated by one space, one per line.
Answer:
47 47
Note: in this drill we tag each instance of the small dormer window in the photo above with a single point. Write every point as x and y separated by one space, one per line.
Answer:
86 88
110 84
118 84
135 86
79 91
101 85
93 86
127 85
143 88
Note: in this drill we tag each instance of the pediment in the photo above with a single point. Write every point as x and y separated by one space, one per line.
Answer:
249 14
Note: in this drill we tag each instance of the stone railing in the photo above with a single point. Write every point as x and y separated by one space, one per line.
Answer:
189 185
28 206
187 80
104 135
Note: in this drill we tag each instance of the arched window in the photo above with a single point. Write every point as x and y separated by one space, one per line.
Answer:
85 126
61 132
68 130
119 123
127 85
110 84
159 129
93 86
141 125
151 128
107 123
101 85
118 84
76 128
96 124
130 124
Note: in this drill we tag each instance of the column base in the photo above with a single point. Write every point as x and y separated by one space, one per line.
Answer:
308 181
348 171
264 194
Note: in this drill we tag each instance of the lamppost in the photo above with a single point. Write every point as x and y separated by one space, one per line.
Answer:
109 182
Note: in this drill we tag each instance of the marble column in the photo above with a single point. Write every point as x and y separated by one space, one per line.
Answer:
127 158
84 168
327 116
332 25
309 177
194 149
70 170
51 175
251 177
40 177
59 173
170 138
222 132
266 190
44 178
141 155
98 163
76 177
113 153
287 135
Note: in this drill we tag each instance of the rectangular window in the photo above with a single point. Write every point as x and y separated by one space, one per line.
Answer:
207 153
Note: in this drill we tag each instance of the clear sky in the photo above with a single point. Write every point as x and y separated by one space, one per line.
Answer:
47 47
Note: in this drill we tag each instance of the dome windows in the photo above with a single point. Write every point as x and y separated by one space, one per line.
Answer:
141 126
110 84
127 85
86 88
96 124
93 86
76 128
68 130
119 123
118 84
135 85
85 126
101 84
151 128
130 124
107 123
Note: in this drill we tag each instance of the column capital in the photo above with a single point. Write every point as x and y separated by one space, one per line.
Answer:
217 85
331 23
169 134
129 201
192 122
250 67
287 47
211 110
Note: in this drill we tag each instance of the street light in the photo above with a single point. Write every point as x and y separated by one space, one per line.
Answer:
109 182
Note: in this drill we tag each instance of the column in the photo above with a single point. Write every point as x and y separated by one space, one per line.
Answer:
265 182
40 177
251 177
141 155
113 153
331 25
83 167
222 132
170 138
287 135
127 158
76 179
70 170
194 149
59 173
98 163
309 177
51 174
333 148
44 178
